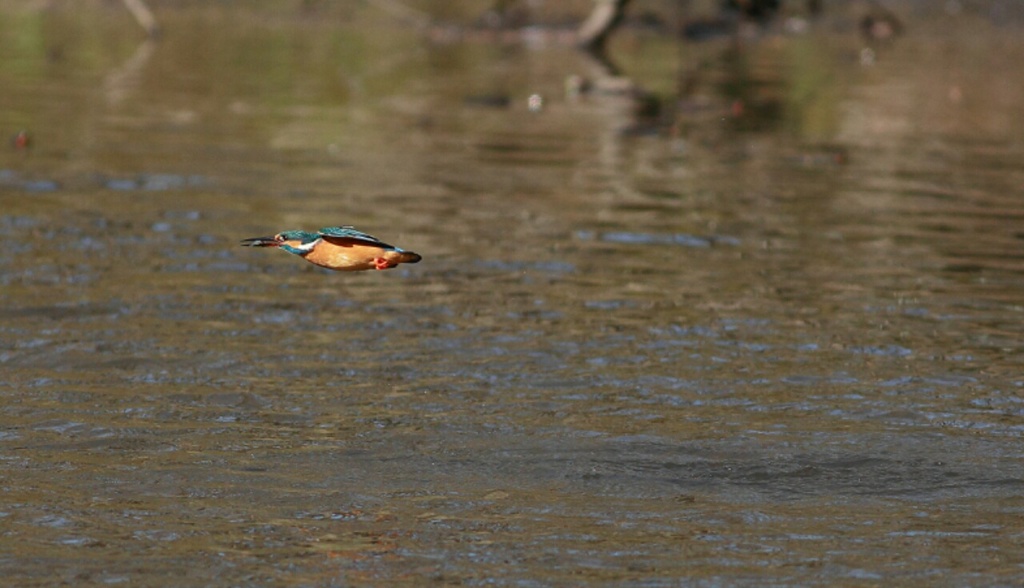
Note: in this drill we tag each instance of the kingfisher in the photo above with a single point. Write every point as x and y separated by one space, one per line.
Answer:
338 248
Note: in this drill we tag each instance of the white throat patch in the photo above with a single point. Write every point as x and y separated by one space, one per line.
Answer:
307 247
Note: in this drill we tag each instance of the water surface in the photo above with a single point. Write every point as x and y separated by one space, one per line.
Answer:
769 334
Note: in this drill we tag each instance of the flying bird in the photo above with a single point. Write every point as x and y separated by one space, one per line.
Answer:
338 248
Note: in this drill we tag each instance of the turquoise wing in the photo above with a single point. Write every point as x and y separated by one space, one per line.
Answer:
351 233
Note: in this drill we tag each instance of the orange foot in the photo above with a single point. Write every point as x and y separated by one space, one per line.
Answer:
382 264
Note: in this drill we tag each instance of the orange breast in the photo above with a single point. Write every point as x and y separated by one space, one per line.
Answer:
345 254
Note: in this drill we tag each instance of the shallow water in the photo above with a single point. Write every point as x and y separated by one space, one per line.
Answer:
770 336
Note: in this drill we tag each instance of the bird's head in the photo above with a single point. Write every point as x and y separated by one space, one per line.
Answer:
297 242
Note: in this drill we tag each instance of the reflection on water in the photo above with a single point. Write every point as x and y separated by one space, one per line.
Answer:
772 339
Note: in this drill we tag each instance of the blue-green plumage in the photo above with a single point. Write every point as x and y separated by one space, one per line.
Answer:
347 232
339 248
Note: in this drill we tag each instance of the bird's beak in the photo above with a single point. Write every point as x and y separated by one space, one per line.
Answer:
261 242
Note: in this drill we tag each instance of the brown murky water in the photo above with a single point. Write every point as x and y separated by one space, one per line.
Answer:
768 336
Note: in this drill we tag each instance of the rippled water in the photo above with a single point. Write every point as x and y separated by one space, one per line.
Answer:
770 335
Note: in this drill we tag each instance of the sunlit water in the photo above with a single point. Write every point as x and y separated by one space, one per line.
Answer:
769 336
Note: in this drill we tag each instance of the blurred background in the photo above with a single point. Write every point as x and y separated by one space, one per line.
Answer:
734 298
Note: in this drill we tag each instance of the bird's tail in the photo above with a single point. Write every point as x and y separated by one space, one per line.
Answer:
260 242
407 256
